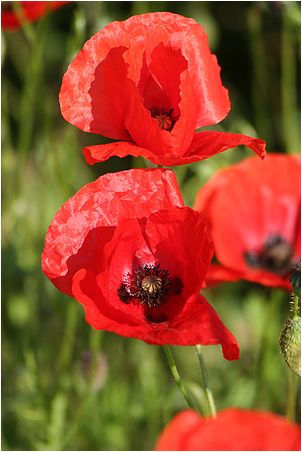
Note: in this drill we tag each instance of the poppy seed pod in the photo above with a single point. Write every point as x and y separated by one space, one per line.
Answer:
290 339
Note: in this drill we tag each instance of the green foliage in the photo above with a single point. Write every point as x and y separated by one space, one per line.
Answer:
66 386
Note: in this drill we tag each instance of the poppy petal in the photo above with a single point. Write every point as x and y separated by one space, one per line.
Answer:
175 435
107 95
102 152
186 230
217 274
101 204
199 323
209 143
246 205
232 429
130 70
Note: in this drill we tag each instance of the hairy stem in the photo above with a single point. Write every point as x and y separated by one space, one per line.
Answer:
176 376
205 381
292 391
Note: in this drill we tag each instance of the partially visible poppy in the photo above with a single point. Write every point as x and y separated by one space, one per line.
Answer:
253 210
29 12
233 429
150 81
127 249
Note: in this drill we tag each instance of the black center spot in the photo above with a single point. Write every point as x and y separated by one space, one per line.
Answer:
276 256
150 285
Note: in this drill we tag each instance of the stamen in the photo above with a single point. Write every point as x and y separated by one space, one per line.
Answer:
275 256
150 285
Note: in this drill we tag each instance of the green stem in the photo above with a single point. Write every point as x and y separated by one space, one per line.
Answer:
68 341
25 24
295 305
291 395
176 376
260 76
95 340
205 381
289 110
31 87
266 344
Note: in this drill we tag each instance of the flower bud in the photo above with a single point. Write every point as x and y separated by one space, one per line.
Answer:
290 343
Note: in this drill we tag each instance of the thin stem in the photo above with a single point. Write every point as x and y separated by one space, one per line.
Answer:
32 84
260 76
68 341
205 381
266 344
95 340
25 24
176 376
292 391
289 108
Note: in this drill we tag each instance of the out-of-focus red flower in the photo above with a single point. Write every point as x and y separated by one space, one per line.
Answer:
253 210
233 429
150 81
29 12
127 249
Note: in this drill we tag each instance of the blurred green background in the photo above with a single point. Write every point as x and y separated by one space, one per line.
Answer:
66 386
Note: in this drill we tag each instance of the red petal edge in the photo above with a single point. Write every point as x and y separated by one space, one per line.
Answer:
209 143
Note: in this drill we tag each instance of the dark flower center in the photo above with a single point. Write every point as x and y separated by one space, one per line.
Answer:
275 256
164 118
164 121
150 285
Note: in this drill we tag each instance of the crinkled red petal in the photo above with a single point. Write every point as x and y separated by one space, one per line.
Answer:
102 90
184 230
198 323
209 143
133 193
203 146
233 429
102 152
96 240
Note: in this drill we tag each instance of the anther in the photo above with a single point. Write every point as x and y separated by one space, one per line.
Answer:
149 285
275 256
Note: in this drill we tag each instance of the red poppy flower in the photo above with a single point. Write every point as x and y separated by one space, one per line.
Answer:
233 429
150 81
253 210
126 248
29 11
